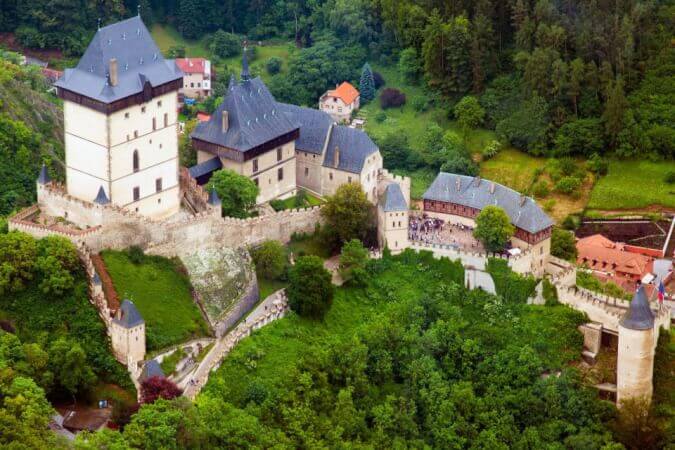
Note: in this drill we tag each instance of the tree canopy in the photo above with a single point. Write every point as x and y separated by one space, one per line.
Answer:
237 192
310 291
493 228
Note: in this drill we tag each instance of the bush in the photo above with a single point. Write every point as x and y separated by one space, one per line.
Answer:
597 164
224 44
550 293
135 254
568 185
491 149
30 37
273 65
380 117
310 291
269 259
176 51
541 189
460 164
549 205
571 222
353 260
378 79
391 98
563 244
670 177
420 104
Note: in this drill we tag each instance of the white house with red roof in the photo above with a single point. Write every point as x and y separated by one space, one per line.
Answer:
340 102
196 78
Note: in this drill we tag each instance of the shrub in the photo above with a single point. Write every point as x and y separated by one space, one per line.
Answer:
541 189
310 291
420 104
597 164
550 293
269 259
353 260
549 205
571 222
380 117
491 149
159 387
273 65
277 205
378 79
391 98
224 44
493 228
563 244
135 254
670 177
176 51
568 185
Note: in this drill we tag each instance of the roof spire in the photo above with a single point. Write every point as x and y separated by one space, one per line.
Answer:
245 74
233 82
639 315
101 198
43 178
98 23
138 8
214 200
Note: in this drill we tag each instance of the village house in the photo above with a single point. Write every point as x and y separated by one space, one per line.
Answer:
340 102
613 261
196 78
458 199
282 147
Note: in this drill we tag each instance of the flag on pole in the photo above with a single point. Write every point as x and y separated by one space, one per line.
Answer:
662 292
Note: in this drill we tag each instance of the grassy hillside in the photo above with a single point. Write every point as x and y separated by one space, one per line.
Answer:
162 295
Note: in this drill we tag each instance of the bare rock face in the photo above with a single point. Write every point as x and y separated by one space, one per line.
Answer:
225 283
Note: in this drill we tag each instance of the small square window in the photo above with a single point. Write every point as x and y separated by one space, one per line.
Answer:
255 165
159 103
349 179
135 133
126 115
280 174
158 185
280 153
306 171
142 109
137 194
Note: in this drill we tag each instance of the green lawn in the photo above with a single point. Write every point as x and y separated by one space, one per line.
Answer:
166 36
269 356
310 244
294 202
634 184
162 294
268 287
512 168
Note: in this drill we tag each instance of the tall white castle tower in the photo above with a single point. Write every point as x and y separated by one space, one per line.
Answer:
635 353
120 118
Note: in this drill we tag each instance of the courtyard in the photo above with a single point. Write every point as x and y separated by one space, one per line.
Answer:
431 230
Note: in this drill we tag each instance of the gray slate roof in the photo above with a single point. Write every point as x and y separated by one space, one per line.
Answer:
151 369
393 199
44 177
128 315
639 315
254 118
206 167
355 146
529 217
138 60
314 126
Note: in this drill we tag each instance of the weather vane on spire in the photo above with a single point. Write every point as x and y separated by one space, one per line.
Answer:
98 23
138 8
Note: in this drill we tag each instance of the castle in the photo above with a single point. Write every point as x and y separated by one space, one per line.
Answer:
124 187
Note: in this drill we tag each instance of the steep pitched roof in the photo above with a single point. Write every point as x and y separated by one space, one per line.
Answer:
128 316
191 65
600 253
254 118
151 369
138 60
639 315
354 145
346 92
393 199
205 167
476 193
314 126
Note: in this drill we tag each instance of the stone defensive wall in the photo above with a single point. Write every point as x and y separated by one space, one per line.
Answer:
108 226
521 263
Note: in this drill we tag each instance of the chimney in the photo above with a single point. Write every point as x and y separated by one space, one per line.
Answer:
477 180
336 158
458 184
113 72
226 121
523 199
492 188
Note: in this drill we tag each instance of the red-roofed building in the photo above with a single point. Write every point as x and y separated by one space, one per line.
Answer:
340 102
197 78
613 261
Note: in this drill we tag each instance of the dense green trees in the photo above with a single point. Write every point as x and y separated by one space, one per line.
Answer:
348 213
353 259
237 192
367 84
563 244
225 44
310 291
270 259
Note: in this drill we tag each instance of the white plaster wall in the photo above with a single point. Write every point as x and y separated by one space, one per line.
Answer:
339 177
635 364
84 186
86 156
122 188
368 177
394 230
311 163
153 149
121 126
85 123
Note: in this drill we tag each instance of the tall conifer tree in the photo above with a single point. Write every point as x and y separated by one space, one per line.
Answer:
367 84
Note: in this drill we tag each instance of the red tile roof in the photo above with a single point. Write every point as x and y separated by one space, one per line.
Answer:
191 65
346 92
599 253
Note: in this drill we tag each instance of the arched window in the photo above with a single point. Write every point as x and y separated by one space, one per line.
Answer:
136 163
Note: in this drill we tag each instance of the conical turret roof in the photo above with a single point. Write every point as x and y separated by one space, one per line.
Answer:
213 197
245 73
43 178
101 197
639 315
